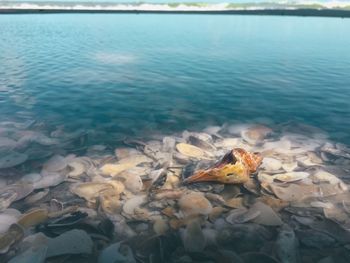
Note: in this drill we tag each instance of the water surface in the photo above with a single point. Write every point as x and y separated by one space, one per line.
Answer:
123 75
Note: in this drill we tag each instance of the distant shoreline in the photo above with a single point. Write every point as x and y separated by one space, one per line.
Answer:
273 12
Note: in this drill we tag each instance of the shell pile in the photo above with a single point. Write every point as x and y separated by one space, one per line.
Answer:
271 194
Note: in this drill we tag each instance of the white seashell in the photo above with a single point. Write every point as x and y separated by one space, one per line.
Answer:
124 164
271 164
49 179
324 176
291 177
133 203
289 167
7 218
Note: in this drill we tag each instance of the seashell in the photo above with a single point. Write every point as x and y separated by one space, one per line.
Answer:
255 134
90 191
291 176
124 164
271 164
201 140
286 246
324 176
35 197
215 198
77 167
118 252
266 216
12 235
109 201
191 151
7 197
7 218
234 202
49 179
294 192
212 130
12 159
34 254
122 153
234 168
227 143
241 215
55 163
274 203
160 226
20 190
194 203
131 181
238 128
33 218
193 238
289 167
168 144
282 146
133 203
216 213
71 242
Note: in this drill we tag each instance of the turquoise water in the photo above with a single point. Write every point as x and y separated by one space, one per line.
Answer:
126 75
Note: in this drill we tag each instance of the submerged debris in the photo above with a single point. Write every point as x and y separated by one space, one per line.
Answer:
239 193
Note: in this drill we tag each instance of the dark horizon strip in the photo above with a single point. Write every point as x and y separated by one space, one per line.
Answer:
274 12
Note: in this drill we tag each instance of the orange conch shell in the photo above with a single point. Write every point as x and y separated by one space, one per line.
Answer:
234 168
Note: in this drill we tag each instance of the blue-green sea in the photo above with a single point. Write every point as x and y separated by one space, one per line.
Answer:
130 75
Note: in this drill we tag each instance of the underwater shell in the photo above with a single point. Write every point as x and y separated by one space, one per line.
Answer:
124 164
12 235
55 163
133 203
33 218
7 218
117 252
90 190
294 192
191 151
194 203
267 216
241 215
271 164
77 167
71 242
12 159
255 134
109 201
291 176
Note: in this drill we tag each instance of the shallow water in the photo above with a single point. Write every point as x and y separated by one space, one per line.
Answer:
136 75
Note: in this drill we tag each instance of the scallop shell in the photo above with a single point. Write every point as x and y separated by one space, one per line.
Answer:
271 164
266 216
124 164
194 204
191 151
291 177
